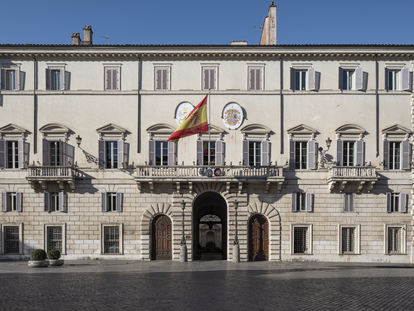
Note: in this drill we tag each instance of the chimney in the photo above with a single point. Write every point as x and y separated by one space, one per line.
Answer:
76 40
269 27
238 43
87 35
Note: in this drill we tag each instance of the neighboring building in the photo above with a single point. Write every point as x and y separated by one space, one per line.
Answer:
118 194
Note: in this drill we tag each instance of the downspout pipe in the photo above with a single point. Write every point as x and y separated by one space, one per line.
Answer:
34 106
139 107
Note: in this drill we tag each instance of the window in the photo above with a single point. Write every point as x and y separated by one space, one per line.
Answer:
397 155
350 153
11 201
112 79
302 154
302 202
111 154
12 154
301 239
397 79
11 240
349 199
112 201
209 149
55 78
54 201
162 78
10 79
54 238
255 79
162 153
215 149
209 78
111 238
303 79
256 153
351 78
349 239
348 80
395 239
396 202
57 153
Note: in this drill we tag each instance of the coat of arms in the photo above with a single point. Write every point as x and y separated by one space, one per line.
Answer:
232 116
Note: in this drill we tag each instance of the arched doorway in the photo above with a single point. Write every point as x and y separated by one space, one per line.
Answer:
209 227
258 238
161 238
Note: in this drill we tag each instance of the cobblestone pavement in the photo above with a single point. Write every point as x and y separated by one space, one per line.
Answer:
219 285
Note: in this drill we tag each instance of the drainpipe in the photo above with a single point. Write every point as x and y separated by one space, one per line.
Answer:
34 106
281 105
139 107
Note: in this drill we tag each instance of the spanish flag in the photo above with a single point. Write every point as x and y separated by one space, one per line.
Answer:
196 122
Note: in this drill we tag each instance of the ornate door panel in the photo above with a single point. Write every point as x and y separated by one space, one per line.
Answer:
258 238
161 238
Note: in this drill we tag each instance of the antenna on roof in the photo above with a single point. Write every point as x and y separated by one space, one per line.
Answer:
260 27
106 38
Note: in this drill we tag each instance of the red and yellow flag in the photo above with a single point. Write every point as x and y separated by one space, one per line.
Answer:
196 122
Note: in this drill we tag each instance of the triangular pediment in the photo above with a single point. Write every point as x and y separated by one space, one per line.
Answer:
302 129
161 128
396 129
216 129
111 129
255 129
12 129
54 128
350 129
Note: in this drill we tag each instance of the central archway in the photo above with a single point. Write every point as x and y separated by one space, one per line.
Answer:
209 219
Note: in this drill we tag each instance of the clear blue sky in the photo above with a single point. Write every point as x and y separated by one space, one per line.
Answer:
207 22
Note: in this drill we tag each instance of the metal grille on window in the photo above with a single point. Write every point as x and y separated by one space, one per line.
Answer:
54 238
348 240
300 240
394 240
111 240
11 240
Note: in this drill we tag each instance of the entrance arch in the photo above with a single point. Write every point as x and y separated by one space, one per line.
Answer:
209 217
161 238
258 238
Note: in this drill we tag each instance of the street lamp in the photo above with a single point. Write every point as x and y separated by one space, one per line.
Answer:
78 140
236 249
236 206
323 152
183 207
183 248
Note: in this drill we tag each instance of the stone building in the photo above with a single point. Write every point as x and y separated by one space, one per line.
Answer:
312 141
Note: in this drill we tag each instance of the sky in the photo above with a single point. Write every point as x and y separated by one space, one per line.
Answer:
207 22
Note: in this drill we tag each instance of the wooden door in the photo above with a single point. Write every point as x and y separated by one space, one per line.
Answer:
161 238
258 238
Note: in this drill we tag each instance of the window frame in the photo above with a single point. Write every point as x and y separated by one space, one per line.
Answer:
305 199
120 238
311 158
250 82
3 236
60 199
107 70
403 228
18 201
309 233
350 198
62 78
162 85
45 236
4 78
397 202
106 202
203 80
397 77
307 77
357 242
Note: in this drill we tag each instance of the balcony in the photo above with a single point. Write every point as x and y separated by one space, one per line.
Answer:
344 175
194 174
60 174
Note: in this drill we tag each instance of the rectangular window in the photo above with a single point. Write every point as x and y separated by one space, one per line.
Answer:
394 80
349 202
161 153
54 201
209 78
301 152
394 155
300 240
10 80
55 153
255 153
54 238
300 79
162 79
111 202
349 153
111 79
255 79
348 240
12 154
11 240
394 240
348 81
111 154
11 201
395 202
209 149
301 201
111 240
55 81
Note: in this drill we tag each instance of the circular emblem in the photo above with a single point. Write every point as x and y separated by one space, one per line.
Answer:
209 172
232 116
182 111
200 172
217 172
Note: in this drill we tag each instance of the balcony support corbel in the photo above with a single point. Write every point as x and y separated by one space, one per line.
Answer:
61 184
371 185
151 185
240 187
190 187
178 186
279 187
361 184
139 186
342 186
43 184
267 185
332 185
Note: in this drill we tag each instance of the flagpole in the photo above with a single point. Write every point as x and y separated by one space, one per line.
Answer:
209 121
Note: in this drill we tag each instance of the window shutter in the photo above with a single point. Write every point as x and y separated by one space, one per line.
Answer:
121 157
339 152
46 157
3 79
20 145
213 83
346 202
403 203
386 155
115 79
158 79
311 155
405 79
309 202
47 201
292 155
340 79
294 201
3 157
62 153
405 155
205 79
119 196
19 201
4 201
151 152
352 205
251 79
265 153
219 152
102 159
386 79
171 153
17 78
48 79
245 152
292 78
108 79
62 204
258 79
62 79
200 152
359 79
388 196
104 205
311 79
164 74
360 153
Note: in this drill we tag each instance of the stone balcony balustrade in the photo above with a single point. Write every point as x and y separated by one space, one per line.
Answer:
60 174
189 174
344 175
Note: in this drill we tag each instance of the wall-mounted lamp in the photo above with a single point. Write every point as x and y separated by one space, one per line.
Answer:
78 140
323 152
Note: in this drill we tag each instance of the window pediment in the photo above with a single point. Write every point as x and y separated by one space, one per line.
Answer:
56 130
396 131
256 131
160 131
12 130
302 131
111 131
352 131
216 133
